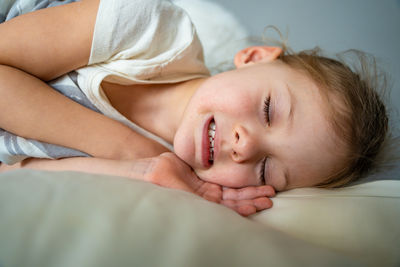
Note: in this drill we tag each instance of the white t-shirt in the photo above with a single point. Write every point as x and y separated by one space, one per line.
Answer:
139 42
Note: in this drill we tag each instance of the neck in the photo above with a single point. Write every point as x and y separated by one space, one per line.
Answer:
157 108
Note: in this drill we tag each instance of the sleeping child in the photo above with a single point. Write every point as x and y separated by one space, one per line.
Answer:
120 88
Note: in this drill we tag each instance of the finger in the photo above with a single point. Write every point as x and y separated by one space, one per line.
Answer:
248 207
262 203
210 192
259 203
249 192
246 210
212 196
229 203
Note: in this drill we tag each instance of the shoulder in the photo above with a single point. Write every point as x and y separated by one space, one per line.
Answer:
128 29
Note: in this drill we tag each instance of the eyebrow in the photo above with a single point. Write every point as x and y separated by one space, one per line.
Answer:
292 105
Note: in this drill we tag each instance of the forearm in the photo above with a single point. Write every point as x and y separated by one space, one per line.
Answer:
48 50
134 169
34 110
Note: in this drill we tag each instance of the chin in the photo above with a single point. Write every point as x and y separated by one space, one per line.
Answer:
207 176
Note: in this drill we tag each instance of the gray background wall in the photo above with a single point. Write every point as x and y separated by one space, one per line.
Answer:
335 25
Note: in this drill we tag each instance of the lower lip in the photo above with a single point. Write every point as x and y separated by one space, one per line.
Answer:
205 145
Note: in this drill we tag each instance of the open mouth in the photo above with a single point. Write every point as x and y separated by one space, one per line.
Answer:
211 136
208 143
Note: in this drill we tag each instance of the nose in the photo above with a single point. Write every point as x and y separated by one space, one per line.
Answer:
244 145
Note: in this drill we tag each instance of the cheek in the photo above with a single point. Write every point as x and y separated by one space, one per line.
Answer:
190 127
235 176
180 148
184 146
224 99
237 103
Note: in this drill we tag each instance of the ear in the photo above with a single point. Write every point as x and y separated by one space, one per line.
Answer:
254 54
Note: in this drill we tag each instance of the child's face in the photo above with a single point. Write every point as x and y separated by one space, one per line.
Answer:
294 138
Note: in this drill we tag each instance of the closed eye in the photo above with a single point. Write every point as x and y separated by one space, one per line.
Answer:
267 103
262 171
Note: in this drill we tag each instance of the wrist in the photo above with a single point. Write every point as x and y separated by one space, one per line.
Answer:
142 169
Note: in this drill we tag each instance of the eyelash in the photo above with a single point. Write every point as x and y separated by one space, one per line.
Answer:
262 170
267 103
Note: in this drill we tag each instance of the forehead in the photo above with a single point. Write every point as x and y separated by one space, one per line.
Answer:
312 156
317 154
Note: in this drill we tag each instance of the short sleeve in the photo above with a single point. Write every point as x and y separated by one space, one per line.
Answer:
145 37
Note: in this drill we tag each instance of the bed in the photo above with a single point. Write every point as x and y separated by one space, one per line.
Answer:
76 219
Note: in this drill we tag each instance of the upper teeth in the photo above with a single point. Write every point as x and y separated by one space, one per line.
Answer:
211 135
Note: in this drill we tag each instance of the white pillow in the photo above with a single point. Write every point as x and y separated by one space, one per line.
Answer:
362 220
73 219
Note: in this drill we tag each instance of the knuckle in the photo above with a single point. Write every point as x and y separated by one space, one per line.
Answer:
154 171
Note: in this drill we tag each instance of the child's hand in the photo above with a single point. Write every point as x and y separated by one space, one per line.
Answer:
169 171
248 200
